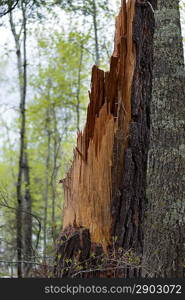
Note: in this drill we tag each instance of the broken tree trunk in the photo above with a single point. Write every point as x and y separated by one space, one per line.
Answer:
105 187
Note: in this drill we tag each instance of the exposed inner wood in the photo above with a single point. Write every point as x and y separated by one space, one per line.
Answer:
89 182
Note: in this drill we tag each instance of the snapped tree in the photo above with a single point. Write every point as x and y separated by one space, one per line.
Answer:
123 210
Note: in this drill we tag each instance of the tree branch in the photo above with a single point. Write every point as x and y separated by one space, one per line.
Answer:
9 9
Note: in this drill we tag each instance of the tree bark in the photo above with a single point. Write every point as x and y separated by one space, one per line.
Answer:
164 251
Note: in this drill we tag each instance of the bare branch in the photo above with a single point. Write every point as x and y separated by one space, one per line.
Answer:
10 8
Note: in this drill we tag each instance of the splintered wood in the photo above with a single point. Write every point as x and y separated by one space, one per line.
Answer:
88 185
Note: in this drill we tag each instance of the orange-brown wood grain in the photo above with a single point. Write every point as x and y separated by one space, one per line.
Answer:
88 184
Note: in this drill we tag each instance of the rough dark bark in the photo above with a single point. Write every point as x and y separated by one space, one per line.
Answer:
74 243
129 170
164 251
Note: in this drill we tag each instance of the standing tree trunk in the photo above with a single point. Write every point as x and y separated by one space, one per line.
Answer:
19 180
164 250
24 205
55 167
47 170
95 25
56 147
105 187
27 216
79 86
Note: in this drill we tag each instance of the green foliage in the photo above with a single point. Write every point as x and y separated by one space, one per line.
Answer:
53 111
52 107
97 16
85 7
58 81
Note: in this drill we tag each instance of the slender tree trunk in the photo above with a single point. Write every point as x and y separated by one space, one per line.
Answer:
24 220
19 180
46 191
27 220
27 217
97 61
164 251
54 174
79 86
56 166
